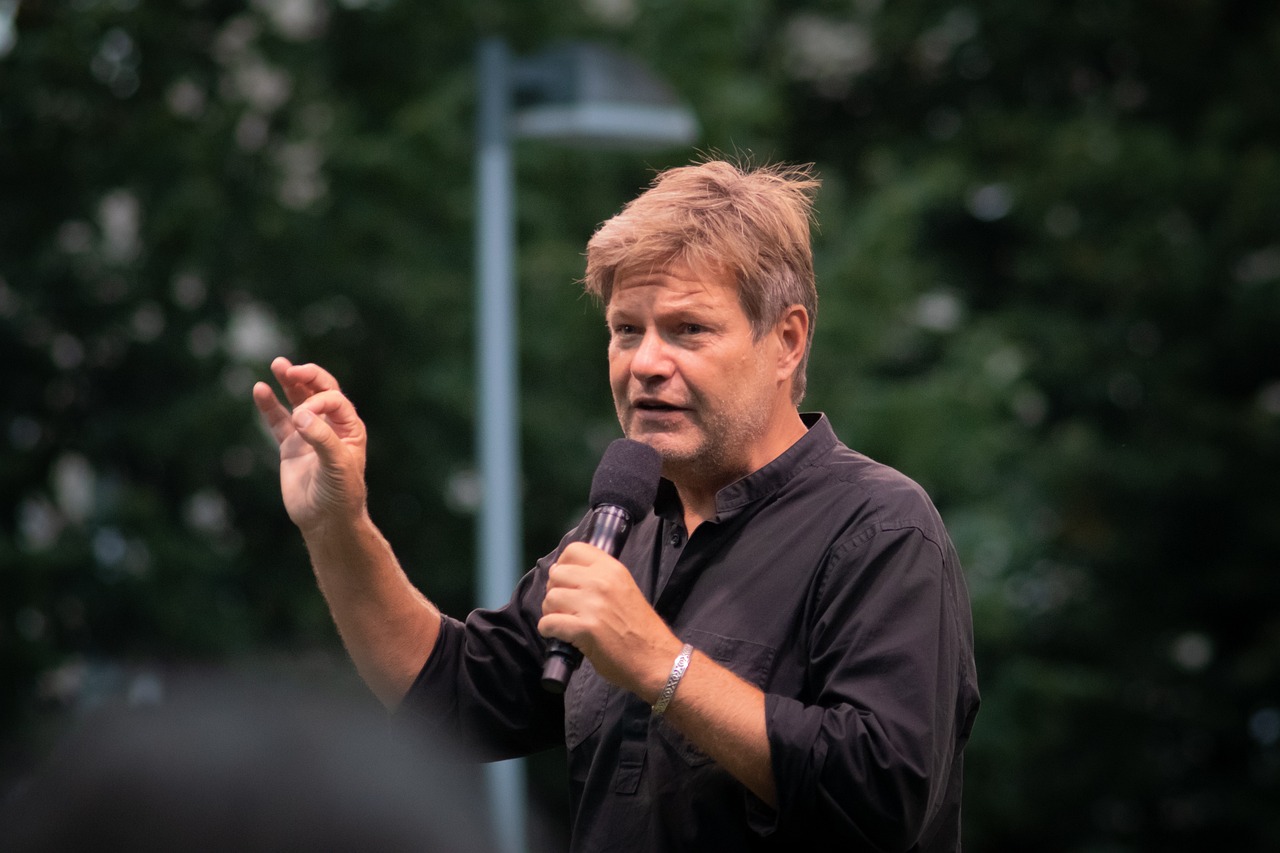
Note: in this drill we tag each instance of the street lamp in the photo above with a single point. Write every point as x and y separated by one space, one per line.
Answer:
577 94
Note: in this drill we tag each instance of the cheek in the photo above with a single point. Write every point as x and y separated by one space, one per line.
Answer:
618 370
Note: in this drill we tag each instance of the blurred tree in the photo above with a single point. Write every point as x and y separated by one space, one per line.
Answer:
1058 224
1050 279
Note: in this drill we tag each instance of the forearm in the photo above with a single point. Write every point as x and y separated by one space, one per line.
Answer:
386 624
725 717
592 601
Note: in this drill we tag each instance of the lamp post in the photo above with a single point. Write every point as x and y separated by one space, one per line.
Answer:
581 94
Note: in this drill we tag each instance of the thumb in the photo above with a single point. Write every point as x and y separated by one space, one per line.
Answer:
316 433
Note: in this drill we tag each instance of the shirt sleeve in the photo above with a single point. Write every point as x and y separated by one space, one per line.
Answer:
868 753
482 683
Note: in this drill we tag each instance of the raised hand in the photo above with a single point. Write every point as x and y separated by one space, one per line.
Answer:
322 444
388 626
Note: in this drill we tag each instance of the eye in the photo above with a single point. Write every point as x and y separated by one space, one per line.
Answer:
692 328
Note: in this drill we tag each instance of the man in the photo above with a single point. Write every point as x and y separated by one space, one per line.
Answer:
781 656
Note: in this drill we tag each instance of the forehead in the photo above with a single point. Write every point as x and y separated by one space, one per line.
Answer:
676 282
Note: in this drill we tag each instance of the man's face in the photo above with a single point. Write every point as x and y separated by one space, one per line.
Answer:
688 379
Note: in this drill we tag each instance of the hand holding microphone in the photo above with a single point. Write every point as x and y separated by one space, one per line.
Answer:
622 492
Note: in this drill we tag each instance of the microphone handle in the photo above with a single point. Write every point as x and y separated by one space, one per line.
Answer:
609 528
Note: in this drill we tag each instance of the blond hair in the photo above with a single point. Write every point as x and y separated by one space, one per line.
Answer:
749 223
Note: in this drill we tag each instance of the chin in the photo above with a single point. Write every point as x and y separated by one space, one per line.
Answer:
678 454
669 447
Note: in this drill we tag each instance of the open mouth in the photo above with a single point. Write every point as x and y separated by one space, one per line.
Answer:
656 406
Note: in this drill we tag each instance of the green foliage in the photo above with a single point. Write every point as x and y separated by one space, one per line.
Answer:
1050 278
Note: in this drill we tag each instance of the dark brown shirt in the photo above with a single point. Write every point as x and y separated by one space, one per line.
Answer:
825 579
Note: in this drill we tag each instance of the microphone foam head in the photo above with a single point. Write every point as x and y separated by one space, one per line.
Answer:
627 476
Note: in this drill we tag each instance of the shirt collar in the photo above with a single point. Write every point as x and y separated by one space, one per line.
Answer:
813 445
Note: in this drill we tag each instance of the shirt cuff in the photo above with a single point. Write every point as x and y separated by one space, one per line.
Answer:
425 701
796 752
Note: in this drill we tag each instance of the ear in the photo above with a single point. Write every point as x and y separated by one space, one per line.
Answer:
792 333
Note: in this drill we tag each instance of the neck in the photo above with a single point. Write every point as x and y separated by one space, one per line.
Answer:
698 504
698 494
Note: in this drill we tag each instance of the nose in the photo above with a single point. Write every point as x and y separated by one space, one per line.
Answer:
651 359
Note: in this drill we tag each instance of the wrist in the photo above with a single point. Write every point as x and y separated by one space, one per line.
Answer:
336 530
679 666
657 669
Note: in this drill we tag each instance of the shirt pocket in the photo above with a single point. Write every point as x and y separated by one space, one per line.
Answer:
749 660
584 705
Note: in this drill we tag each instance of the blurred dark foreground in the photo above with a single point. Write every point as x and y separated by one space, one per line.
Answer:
239 764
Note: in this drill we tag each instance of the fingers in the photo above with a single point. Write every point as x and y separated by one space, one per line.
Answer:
327 421
569 595
336 410
316 433
301 381
584 579
599 609
567 573
331 405
567 615
564 627
274 415
304 384
557 603
581 554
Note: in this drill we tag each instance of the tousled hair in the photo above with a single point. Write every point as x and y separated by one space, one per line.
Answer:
751 223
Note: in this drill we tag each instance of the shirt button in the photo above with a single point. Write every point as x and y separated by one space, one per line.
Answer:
675 539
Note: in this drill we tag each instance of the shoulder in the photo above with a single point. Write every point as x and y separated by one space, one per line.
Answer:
874 495
852 479
892 538
883 530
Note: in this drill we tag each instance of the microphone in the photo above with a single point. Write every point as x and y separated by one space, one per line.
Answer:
622 492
